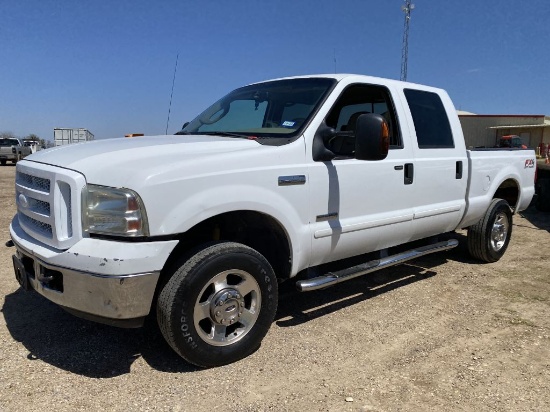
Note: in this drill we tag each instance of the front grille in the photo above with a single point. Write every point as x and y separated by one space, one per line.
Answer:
48 203
39 227
33 182
39 207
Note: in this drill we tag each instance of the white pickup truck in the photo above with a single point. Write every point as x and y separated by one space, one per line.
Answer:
13 150
272 182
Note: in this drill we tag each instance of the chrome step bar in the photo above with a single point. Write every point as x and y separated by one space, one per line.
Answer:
332 278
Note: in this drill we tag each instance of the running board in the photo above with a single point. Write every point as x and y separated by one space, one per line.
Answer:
332 278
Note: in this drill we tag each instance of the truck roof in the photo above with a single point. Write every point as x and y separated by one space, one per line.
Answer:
359 78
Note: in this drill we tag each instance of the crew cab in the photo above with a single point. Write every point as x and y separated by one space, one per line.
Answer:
13 150
275 181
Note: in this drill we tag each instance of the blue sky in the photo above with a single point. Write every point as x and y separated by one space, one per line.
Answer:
108 65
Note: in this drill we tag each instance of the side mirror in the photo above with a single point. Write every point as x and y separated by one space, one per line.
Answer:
185 125
372 137
321 153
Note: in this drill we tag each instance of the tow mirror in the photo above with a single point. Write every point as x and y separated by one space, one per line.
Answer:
372 137
321 151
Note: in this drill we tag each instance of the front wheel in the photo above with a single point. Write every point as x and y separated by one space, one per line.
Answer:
218 304
489 238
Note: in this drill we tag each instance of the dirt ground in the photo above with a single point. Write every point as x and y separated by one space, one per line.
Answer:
442 333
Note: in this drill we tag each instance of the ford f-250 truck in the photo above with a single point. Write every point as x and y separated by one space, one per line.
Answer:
272 182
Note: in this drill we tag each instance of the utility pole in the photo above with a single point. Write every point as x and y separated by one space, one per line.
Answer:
406 8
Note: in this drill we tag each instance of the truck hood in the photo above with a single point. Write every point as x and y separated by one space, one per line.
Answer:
118 161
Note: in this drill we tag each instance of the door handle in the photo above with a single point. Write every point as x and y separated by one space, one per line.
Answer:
409 173
459 169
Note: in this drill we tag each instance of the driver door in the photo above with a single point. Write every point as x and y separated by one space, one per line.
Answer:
359 206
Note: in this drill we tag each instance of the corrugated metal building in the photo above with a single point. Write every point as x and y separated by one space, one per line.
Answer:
486 130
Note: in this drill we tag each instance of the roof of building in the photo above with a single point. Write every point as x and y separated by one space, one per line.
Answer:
521 126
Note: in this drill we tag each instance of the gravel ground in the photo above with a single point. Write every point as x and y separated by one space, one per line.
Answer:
442 333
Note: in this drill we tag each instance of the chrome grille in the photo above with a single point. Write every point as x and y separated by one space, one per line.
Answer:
48 203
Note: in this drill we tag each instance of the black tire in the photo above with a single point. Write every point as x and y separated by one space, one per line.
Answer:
212 324
489 238
543 195
3 162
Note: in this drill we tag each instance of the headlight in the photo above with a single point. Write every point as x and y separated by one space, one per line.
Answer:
112 211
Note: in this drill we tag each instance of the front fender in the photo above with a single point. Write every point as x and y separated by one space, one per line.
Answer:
213 201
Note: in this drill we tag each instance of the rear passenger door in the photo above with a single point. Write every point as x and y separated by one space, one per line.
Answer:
440 166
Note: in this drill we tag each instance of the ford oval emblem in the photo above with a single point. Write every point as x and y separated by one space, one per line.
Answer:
23 201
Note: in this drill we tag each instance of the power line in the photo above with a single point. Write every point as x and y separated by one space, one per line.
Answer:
406 8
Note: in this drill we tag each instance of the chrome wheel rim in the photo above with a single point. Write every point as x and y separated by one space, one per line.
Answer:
499 232
227 307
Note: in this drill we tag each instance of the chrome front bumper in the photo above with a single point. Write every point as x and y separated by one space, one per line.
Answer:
106 299
101 287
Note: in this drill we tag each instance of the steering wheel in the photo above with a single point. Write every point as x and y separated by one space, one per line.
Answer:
216 116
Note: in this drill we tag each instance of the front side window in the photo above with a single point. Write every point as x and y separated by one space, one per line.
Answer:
433 130
354 101
264 110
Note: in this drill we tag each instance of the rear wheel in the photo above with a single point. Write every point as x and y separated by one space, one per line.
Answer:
489 238
218 305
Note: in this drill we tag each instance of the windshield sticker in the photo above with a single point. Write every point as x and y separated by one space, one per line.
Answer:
288 124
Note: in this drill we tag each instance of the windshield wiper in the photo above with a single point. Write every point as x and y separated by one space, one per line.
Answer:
228 134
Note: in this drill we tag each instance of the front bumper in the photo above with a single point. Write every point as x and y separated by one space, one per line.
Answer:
106 281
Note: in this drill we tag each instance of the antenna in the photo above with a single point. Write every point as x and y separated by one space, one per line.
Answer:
405 8
171 93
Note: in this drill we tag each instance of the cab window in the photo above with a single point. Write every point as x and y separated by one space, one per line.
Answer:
433 130
354 101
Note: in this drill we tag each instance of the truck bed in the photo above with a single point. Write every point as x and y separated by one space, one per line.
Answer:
491 166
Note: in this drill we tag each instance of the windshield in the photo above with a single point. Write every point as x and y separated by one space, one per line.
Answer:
8 142
265 110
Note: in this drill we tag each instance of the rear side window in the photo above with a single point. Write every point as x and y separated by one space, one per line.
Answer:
431 123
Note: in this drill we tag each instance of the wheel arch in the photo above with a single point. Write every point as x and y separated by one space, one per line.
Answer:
257 230
509 190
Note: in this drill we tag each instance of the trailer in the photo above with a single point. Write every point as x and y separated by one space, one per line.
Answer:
64 136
